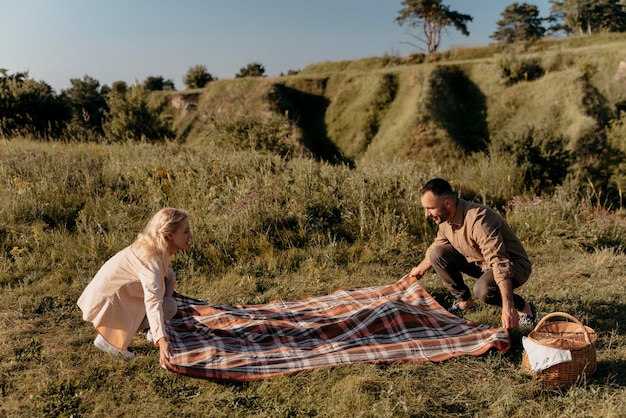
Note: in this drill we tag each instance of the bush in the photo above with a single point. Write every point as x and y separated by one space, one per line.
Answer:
253 69
132 117
542 157
197 77
616 140
88 106
491 178
272 133
514 70
153 83
28 107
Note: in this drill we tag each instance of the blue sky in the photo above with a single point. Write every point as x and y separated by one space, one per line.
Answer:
58 40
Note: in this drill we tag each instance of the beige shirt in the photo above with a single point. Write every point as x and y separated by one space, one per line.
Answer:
484 237
121 294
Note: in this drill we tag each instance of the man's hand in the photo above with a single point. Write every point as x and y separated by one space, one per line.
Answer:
416 272
419 271
510 318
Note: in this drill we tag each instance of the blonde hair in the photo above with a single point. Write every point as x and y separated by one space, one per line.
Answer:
151 241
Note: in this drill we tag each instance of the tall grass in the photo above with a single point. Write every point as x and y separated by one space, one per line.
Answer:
265 228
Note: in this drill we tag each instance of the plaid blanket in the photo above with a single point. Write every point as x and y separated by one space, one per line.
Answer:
398 322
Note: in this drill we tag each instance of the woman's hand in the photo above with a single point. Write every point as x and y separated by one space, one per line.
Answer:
164 351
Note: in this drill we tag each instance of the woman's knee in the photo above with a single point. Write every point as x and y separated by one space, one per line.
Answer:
169 308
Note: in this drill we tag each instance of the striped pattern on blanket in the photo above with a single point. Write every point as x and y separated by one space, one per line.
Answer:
398 322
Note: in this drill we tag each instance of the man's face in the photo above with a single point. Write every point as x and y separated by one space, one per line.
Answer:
436 208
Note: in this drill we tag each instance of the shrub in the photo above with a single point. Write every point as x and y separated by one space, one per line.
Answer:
88 105
491 178
132 117
253 69
541 155
197 77
154 83
514 70
616 139
28 107
272 133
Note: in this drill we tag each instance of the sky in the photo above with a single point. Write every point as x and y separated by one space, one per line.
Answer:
130 40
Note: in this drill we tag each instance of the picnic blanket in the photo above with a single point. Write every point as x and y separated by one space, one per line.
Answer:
397 322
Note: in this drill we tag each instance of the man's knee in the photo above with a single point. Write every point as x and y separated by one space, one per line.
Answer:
487 292
439 255
481 292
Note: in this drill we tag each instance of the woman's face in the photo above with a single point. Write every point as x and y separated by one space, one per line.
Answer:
179 239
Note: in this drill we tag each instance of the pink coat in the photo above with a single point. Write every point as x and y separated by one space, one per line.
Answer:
121 294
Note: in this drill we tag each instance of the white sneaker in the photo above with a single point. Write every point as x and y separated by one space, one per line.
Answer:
103 345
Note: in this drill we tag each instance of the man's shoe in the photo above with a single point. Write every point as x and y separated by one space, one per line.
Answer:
103 345
526 320
457 311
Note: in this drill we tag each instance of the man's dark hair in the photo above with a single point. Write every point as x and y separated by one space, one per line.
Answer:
438 187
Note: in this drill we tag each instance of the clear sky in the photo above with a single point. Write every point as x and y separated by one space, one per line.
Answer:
129 40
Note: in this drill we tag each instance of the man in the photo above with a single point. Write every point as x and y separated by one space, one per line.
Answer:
475 240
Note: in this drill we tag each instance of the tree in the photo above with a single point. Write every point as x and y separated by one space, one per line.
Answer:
608 16
119 87
429 18
588 16
572 13
132 116
153 83
30 107
253 69
520 22
88 106
169 84
197 77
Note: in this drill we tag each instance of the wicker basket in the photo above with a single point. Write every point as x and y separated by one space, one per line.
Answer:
564 335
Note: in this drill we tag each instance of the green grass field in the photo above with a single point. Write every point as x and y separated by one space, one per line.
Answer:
267 228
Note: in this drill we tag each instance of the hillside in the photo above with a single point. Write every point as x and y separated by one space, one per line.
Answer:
391 108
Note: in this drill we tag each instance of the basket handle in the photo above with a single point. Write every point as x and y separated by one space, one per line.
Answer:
568 316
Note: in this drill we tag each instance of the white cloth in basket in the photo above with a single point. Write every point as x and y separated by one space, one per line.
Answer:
541 357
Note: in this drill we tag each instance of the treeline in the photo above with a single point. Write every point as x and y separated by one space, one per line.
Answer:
521 21
88 111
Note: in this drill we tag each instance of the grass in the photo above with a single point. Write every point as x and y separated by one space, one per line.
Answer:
266 228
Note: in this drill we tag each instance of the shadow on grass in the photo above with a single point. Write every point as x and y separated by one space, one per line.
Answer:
460 107
442 296
307 111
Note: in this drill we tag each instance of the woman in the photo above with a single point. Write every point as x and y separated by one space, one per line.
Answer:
133 289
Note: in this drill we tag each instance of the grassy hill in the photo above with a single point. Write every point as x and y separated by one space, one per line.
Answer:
389 108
